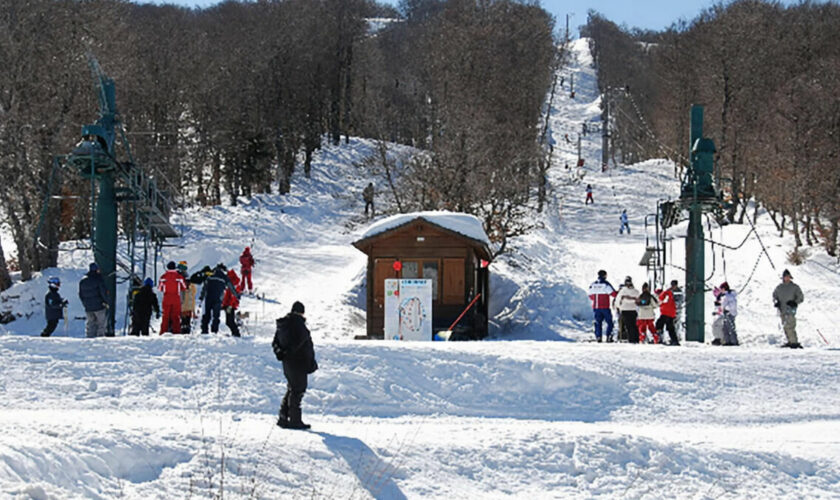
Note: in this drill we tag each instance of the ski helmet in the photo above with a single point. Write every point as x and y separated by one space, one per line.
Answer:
148 282
54 281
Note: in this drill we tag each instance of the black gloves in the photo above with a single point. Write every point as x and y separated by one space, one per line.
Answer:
157 315
791 303
64 304
776 304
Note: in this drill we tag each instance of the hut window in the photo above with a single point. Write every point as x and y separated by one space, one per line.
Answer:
425 269
430 272
411 269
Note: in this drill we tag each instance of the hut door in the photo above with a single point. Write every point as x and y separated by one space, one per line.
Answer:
453 281
383 269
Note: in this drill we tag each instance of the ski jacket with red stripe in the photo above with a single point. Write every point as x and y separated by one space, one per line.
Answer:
667 305
246 260
600 293
172 283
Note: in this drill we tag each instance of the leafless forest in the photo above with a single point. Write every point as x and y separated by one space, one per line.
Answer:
769 77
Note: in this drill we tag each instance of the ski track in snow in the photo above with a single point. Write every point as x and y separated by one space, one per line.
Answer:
193 416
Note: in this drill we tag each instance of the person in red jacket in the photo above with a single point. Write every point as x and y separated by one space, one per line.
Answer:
667 313
171 284
246 261
230 302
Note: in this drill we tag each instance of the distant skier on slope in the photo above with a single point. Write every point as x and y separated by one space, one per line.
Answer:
667 314
187 299
94 297
54 305
589 198
211 294
625 302
246 265
172 284
717 324
600 293
230 302
646 304
729 304
787 297
625 224
367 195
144 302
292 345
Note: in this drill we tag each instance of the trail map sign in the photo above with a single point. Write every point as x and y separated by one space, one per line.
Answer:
408 309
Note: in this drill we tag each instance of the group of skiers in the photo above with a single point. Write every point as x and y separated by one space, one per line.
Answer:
637 311
221 289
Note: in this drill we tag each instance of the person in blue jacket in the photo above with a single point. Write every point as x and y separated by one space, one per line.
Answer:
94 298
625 223
211 294
54 306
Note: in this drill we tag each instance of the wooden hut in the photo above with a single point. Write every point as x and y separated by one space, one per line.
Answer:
449 248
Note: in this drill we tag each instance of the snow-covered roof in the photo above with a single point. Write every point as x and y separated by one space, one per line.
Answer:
464 224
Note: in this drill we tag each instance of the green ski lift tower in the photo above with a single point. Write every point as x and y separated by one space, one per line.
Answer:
698 195
95 158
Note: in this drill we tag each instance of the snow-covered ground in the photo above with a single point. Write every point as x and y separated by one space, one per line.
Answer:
192 416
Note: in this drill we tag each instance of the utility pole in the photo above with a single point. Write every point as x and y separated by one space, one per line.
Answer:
567 29
578 147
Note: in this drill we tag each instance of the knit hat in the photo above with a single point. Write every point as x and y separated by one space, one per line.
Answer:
148 282
628 280
786 273
171 264
182 266
724 286
297 307
93 267
602 274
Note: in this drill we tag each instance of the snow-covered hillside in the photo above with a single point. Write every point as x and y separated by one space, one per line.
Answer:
193 416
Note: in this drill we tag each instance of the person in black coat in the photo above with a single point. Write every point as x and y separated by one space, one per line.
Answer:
144 303
293 345
211 294
53 307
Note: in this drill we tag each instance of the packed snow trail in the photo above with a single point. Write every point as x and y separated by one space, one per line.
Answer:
193 416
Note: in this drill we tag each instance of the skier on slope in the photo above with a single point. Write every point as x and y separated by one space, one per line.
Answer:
787 297
600 293
211 294
625 224
717 324
54 305
367 195
292 345
172 284
94 298
187 298
230 302
144 302
646 304
667 314
625 303
729 304
589 198
246 265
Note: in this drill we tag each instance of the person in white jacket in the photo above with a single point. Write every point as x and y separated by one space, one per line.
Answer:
625 303
729 304
646 305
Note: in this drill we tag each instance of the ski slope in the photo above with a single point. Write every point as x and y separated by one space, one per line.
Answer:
527 415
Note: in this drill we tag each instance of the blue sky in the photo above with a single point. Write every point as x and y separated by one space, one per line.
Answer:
647 14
